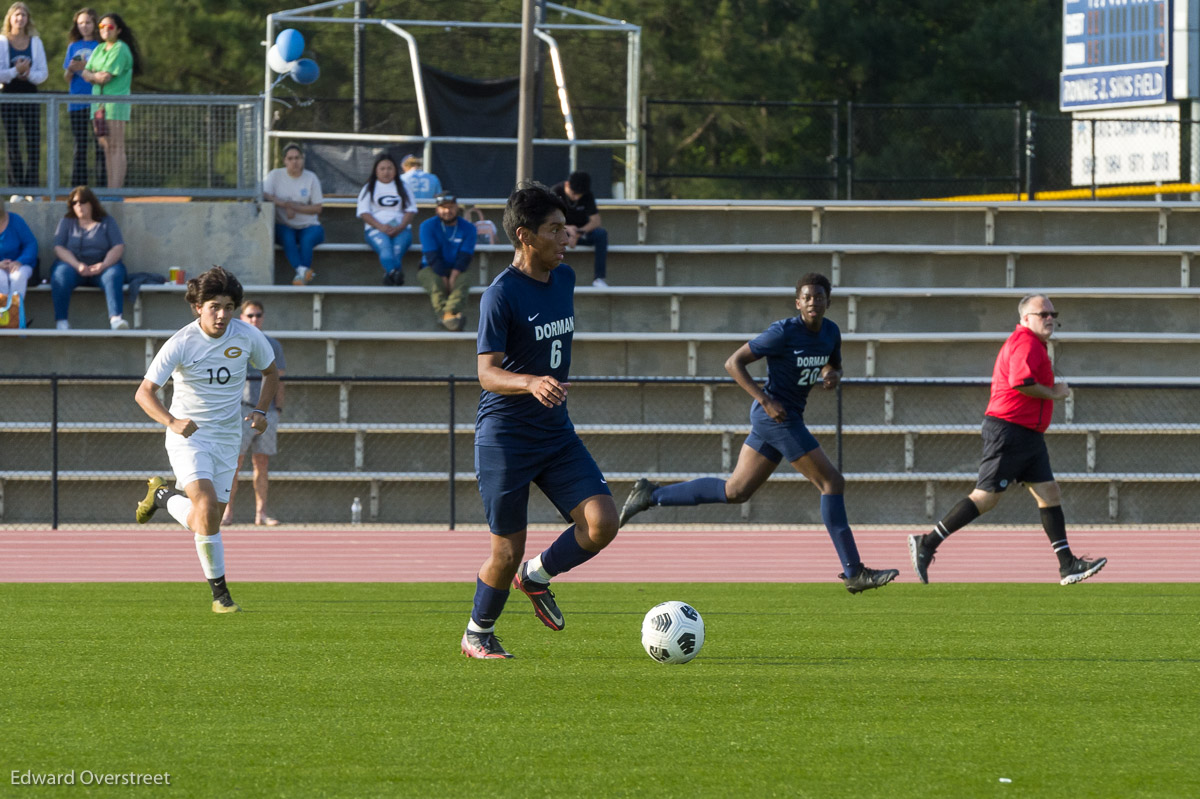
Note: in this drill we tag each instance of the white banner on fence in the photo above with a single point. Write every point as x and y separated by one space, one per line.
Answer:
1133 145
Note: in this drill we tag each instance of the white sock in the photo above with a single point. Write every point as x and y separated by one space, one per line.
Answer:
179 506
212 555
535 571
475 628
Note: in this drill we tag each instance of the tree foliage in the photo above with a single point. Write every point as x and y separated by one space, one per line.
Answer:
883 51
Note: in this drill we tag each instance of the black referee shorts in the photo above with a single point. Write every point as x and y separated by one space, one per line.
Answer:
1012 454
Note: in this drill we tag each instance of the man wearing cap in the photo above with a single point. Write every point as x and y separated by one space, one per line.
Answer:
421 185
447 246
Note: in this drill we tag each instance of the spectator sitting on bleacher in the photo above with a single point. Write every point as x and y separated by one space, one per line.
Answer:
296 193
447 246
386 210
421 185
583 222
18 254
89 246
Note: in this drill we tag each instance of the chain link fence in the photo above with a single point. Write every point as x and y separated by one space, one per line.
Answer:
201 146
77 451
785 151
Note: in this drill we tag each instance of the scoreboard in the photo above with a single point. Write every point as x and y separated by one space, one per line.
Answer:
1115 53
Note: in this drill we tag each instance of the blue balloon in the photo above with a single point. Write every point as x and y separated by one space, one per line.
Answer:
290 43
306 71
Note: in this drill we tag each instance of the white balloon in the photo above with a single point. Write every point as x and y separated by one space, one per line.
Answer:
276 61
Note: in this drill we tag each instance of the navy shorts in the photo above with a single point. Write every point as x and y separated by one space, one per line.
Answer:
1012 454
775 441
567 475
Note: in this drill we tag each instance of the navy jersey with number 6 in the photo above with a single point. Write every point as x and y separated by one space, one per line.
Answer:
532 324
795 356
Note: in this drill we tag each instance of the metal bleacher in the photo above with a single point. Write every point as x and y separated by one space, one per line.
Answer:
924 294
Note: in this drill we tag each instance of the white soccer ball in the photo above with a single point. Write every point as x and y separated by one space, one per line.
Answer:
673 632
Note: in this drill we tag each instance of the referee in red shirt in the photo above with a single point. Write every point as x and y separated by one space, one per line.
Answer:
1014 447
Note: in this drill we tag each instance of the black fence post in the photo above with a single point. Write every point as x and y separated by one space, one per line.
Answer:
1018 147
54 452
452 465
849 150
839 426
1030 154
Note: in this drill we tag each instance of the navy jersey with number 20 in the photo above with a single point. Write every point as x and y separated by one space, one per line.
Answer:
795 356
532 324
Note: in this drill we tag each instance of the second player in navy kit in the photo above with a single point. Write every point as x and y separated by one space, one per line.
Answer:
523 434
801 352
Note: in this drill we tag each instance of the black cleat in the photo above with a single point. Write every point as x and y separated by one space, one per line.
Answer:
921 556
869 578
482 646
1079 570
640 498
541 596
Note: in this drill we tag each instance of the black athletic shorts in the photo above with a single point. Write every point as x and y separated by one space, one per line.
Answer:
1012 454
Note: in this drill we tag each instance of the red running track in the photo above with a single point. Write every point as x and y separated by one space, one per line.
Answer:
370 554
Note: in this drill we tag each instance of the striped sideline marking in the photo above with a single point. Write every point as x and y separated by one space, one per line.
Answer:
366 554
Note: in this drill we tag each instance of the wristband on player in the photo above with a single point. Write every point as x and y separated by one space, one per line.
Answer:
256 410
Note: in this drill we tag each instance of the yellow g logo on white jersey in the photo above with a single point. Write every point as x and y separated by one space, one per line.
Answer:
233 352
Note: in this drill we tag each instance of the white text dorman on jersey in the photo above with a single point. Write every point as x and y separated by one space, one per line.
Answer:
556 328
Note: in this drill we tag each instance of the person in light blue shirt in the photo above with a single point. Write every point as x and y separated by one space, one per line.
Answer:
447 246
82 39
421 185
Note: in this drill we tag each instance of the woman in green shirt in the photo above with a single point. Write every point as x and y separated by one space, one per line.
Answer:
110 70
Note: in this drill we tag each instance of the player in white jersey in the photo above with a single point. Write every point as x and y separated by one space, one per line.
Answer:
208 361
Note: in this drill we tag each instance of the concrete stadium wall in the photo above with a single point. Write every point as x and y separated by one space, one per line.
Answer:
158 235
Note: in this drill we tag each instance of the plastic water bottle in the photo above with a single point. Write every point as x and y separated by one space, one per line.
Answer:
356 511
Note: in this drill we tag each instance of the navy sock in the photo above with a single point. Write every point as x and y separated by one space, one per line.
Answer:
489 604
1055 526
833 513
702 491
565 553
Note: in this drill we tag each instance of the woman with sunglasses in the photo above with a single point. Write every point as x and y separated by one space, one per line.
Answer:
89 247
22 68
110 70
1014 445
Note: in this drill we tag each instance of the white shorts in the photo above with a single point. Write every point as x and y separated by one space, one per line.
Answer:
204 457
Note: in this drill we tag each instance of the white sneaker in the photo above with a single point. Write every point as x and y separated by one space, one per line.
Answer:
62 324
118 323
599 283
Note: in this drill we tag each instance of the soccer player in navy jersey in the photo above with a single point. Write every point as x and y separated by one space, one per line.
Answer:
801 352
523 434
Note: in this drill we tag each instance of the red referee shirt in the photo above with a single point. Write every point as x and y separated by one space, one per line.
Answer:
1023 361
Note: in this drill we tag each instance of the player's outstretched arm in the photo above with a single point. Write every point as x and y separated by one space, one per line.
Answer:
544 388
147 398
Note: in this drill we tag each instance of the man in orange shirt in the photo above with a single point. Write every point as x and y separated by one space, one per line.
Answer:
1014 447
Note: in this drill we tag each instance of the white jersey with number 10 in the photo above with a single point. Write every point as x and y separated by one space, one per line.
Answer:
209 372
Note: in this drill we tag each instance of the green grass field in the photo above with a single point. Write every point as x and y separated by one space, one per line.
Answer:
358 690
